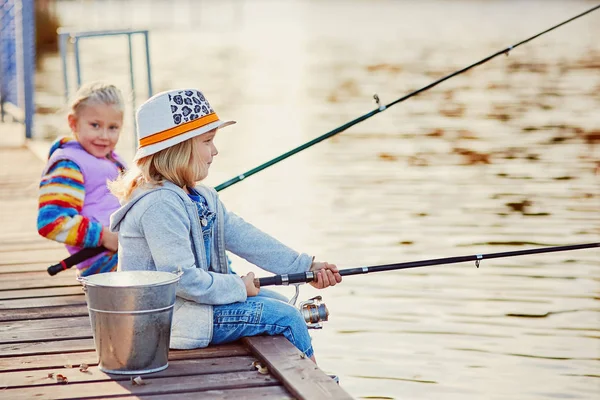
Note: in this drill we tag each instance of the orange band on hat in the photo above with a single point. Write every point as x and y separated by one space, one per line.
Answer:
178 130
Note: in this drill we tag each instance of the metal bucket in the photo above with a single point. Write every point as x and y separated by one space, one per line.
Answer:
131 314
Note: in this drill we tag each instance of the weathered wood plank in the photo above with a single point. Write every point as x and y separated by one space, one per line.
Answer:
41 276
298 374
93 374
36 361
74 300
31 245
49 334
170 385
27 236
256 393
27 326
43 313
51 347
28 280
45 329
32 275
23 267
42 292
78 332
17 363
20 255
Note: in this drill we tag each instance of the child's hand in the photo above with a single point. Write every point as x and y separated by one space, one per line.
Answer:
251 290
327 275
110 240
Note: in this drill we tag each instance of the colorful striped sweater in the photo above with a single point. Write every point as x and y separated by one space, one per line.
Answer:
61 200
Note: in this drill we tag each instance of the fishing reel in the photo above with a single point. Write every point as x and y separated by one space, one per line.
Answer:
313 310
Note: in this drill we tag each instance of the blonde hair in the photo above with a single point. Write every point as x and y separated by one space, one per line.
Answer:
176 164
96 93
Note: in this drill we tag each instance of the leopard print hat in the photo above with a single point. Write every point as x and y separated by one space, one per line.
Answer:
172 117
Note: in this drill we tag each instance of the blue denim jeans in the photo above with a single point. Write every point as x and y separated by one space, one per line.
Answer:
265 314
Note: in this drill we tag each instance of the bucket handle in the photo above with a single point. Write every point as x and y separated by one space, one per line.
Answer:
83 280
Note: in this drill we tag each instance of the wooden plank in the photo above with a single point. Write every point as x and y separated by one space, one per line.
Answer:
256 393
49 255
298 374
30 362
36 361
27 236
41 276
73 300
28 326
43 292
93 374
45 329
48 334
170 385
41 279
43 313
31 245
24 267
51 347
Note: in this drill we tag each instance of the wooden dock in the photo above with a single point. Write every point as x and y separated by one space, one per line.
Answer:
45 331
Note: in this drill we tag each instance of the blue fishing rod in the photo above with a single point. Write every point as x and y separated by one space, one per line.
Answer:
86 253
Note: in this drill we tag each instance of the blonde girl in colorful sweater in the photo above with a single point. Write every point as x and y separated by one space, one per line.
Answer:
74 201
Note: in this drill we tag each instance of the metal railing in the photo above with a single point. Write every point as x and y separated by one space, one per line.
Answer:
17 61
65 36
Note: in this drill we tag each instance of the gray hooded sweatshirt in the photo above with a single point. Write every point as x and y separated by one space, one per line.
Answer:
159 230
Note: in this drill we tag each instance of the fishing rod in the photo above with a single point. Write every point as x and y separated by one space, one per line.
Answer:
75 259
382 108
61 266
315 312
309 276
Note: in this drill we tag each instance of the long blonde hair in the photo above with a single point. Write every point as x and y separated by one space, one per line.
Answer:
176 164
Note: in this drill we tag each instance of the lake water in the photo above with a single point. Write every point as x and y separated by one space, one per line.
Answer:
505 157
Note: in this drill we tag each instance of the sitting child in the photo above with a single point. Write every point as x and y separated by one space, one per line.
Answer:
75 203
168 223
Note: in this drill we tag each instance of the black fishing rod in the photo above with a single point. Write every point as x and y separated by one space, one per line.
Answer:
54 269
305 277
75 259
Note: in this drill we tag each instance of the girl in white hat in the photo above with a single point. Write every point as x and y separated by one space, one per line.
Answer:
167 223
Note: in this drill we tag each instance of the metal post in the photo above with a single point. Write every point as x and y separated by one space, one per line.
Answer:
62 47
148 67
25 60
131 80
77 64
132 85
28 19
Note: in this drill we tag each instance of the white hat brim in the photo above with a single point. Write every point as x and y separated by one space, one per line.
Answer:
156 147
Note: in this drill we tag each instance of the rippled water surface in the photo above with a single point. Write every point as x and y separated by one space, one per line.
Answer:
502 158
